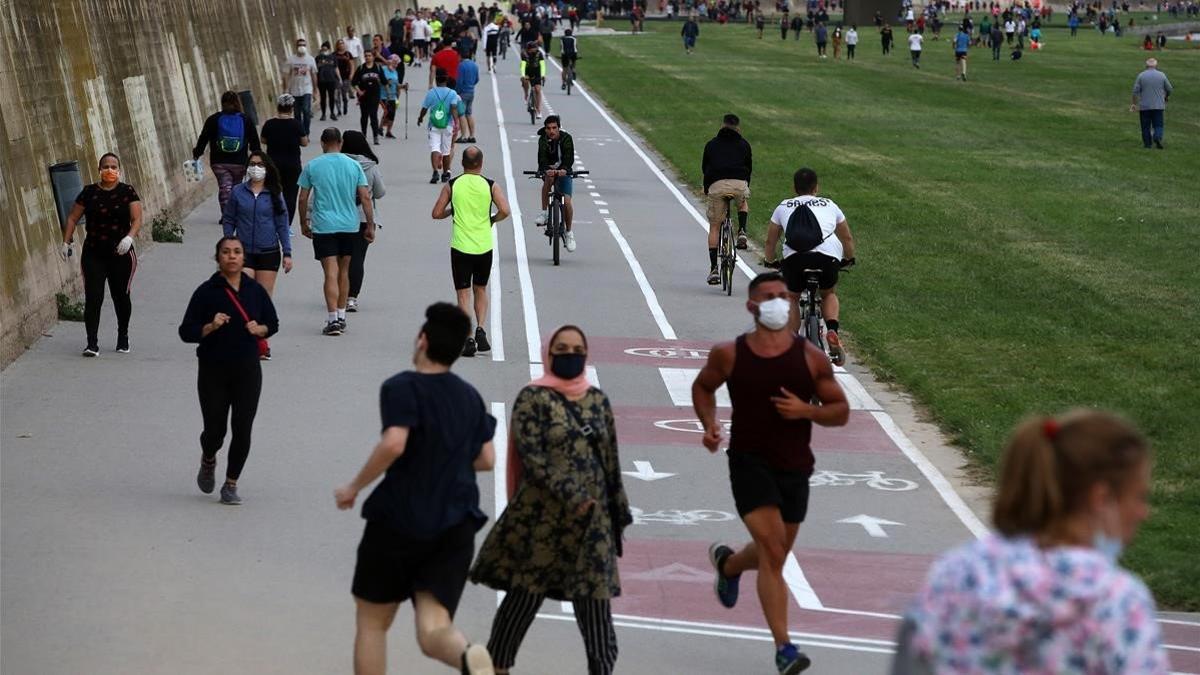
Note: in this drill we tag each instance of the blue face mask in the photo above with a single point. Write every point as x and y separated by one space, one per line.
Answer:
1109 547
568 366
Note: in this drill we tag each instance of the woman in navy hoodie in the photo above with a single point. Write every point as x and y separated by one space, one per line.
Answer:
256 213
227 317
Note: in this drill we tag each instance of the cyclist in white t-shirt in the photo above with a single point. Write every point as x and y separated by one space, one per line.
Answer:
833 253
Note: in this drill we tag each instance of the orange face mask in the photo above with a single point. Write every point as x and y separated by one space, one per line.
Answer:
109 175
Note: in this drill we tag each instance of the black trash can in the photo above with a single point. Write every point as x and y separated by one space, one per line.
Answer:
67 183
247 99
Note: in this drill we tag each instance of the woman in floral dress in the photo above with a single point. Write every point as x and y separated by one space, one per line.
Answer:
560 536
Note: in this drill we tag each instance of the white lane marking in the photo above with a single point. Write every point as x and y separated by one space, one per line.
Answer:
496 295
856 394
500 470
536 370
656 309
600 203
567 608
703 221
603 212
872 524
679 385
594 194
533 339
1178 622
798 584
690 628
645 471
932 474
1182 648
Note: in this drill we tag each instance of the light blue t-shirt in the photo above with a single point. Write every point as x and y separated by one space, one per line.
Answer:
962 42
334 179
468 77
391 85
437 95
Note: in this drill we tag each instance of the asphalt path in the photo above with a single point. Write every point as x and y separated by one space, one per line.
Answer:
112 562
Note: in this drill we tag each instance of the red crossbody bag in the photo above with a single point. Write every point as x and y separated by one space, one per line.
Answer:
263 346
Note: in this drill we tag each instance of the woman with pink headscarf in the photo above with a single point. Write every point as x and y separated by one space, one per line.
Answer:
560 536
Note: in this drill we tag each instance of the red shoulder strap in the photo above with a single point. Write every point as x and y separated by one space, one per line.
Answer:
241 310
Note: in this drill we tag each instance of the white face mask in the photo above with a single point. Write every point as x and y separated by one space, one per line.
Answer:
256 172
301 50
773 313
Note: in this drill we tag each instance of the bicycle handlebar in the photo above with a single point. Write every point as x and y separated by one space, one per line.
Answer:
540 174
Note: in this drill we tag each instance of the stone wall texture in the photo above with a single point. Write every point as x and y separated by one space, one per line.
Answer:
79 78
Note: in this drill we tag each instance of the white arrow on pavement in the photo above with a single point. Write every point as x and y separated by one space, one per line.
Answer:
646 472
873 525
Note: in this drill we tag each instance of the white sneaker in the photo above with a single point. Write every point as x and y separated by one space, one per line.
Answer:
541 219
351 304
570 241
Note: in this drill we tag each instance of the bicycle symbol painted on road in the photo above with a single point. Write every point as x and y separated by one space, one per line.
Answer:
677 517
690 426
684 353
873 479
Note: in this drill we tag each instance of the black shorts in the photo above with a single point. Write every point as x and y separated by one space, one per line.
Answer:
535 81
567 59
756 485
469 269
391 566
794 265
333 244
264 262
490 46
960 56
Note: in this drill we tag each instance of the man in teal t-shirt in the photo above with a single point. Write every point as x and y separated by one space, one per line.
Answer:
332 222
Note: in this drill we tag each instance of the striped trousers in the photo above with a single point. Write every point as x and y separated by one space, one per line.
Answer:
517 612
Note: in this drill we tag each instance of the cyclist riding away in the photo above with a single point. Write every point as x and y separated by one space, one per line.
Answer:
533 74
726 165
835 250
570 54
556 154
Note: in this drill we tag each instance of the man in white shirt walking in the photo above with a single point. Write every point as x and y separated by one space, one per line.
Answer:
354 45
914 48
851 42
300 80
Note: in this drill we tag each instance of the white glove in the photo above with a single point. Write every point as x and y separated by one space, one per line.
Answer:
125 245
65 252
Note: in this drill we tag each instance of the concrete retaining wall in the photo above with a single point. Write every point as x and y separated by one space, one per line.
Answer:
79 78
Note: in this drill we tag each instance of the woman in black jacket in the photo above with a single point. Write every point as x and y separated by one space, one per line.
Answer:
229 136
227 317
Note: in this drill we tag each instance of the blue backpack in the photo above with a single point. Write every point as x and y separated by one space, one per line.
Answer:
231 132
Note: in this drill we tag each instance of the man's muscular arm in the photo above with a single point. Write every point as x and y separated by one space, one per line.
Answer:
704 392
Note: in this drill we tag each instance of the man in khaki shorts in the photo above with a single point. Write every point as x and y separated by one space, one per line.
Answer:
726 165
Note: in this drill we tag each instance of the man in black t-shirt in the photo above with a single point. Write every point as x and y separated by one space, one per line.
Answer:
423 516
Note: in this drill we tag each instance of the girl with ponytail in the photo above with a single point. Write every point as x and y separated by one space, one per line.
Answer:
1044 593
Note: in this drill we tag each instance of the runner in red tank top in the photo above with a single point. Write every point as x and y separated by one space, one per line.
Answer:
772 377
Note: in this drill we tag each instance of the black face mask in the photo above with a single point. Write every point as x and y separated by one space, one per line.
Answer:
568 366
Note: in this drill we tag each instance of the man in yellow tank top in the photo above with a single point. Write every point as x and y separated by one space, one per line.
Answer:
469 199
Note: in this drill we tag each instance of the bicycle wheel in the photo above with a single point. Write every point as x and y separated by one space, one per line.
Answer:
729 261
555 223
529 105
812 331
570 79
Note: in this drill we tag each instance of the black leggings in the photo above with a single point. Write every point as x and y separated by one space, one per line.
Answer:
289 180
225 388
328 92
517 612
368 109
115 270
358 257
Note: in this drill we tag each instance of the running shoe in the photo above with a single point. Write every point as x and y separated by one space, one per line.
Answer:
332 328
470 348
541 219
713 277
229 497
445 176
726 587
434 179
389 135
266 356
91 350
481 341
205 480
570 237
341 324
836 354
790 660
122 345
351 304
477 661
334 118
741 242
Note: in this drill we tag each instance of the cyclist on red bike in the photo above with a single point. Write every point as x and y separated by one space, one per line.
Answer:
834 250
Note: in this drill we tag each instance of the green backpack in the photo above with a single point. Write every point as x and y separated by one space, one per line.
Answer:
439 115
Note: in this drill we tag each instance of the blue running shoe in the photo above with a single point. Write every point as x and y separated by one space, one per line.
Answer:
790 660
726 587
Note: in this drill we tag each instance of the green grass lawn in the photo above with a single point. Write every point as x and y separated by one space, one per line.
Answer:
1019 252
